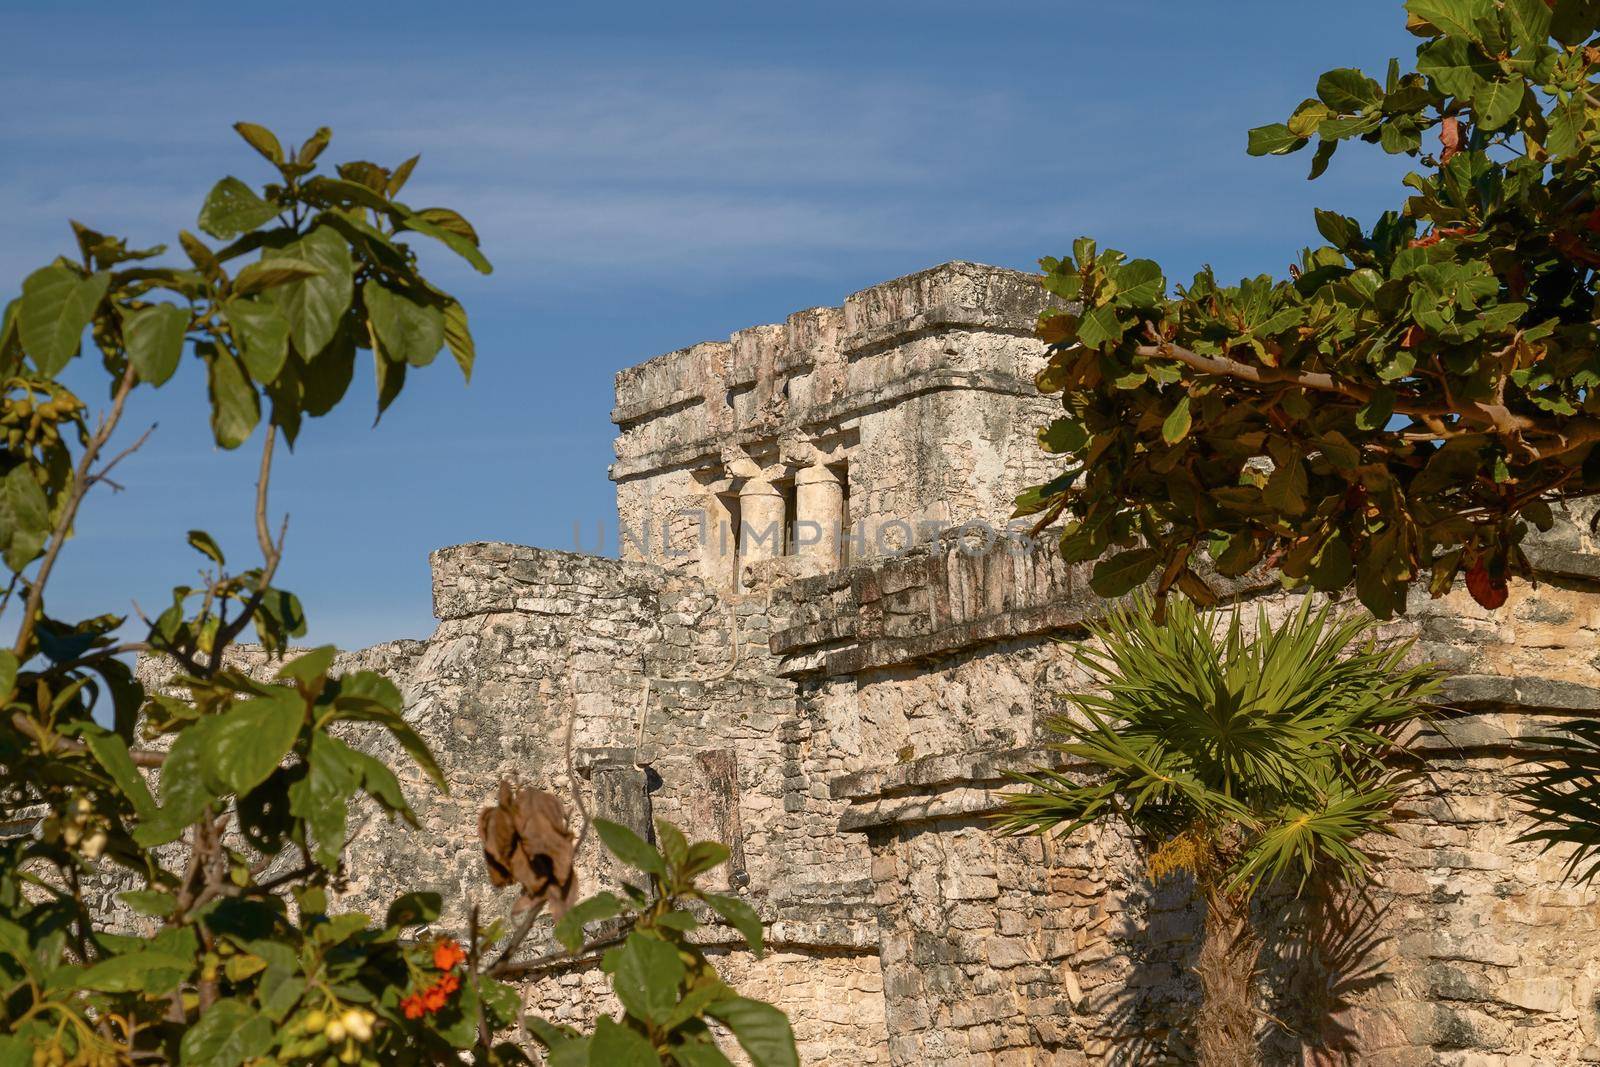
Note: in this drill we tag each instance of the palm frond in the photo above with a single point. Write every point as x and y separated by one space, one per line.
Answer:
1281 730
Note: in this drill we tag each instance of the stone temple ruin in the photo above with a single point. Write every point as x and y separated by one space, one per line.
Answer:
803 654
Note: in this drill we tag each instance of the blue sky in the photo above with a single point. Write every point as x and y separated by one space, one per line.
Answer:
644 177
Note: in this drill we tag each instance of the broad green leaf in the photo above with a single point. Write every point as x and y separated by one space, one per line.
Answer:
262 140
629 847
1286 488
1063 435
763 1031
1123 572
1457 67
1348 90
412 909
1567 122
1274 139
150 902
1176 425
380 782
1375 414
697 1050
57 304
458 244
111 752
396 724
16 1050
391 377
235 407
739 915
262 335
411 332
308 666
1140 283
206 545
1453 17
1100 327
402 173
322 797
24 516
271 272
646 973
1497 103
704 856
459 338
253 737
614 1045
569 928
228 1034
154 337
313 146
448 220
187 785
674 846
314 305
232 207
1319 161
137 971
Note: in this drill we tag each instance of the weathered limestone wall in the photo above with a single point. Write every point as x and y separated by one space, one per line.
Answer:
928 668
530 638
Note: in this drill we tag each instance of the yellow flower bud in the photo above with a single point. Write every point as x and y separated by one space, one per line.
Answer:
315 1021
335 1032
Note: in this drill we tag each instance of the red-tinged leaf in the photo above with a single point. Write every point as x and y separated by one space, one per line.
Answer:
1485 588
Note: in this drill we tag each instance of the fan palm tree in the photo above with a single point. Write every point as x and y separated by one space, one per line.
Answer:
1241 760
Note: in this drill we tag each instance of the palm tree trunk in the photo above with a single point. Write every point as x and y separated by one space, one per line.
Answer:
1225 1032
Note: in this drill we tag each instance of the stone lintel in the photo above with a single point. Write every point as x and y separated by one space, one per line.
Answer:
841 410
957 293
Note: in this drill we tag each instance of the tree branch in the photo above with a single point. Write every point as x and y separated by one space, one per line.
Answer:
271 555
66 745
81 481
1495 418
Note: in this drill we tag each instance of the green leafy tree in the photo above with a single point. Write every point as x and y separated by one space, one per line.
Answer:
1412 396
1242 761
670 992
219 806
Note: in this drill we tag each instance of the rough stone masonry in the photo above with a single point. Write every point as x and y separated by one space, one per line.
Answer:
804 653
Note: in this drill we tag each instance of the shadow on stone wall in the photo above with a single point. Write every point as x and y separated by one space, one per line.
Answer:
1322 956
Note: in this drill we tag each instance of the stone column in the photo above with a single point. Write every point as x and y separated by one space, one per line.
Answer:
760 521
819 510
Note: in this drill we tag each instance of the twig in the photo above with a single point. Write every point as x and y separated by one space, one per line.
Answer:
520 935
81 481
472 968
29 728
271 555
555 959
120 456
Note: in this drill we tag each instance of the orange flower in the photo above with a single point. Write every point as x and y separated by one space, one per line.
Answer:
432 998
446 954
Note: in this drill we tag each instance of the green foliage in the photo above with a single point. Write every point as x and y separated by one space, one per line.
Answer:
670 992
1243 760
1416 393
219 804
